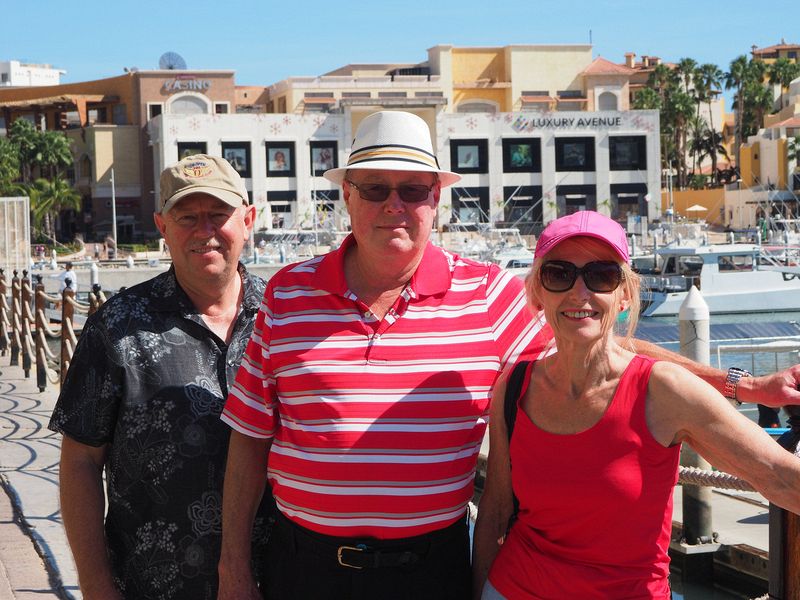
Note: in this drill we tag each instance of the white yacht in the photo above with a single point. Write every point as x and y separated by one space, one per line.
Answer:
733 278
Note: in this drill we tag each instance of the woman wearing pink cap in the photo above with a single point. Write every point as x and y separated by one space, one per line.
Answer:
596 441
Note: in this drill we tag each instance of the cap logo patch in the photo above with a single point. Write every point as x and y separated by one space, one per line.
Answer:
197 168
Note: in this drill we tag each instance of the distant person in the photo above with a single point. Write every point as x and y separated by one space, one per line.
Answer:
67 275
596 440
142 399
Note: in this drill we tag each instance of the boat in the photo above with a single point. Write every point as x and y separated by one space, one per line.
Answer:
517 259
733 278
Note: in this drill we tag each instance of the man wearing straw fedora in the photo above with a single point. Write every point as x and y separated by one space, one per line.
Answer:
363 394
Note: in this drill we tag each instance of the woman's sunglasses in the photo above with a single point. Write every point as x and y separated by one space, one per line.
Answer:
600 276
412 193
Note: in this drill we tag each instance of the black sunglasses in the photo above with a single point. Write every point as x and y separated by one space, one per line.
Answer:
600 276
412 193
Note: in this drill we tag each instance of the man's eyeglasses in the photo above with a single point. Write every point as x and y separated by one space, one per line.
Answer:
412 193
599 276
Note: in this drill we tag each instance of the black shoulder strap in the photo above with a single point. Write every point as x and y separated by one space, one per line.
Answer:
513 390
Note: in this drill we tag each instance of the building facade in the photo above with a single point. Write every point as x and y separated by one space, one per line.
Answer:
537 131
14 73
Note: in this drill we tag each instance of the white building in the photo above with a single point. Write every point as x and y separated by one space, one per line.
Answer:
519 169
14 73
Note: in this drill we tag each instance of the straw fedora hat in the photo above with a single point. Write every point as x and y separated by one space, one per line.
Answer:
394 141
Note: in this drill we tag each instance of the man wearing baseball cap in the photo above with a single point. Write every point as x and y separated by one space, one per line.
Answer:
143 395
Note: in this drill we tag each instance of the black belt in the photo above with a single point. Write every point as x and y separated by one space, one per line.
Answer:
366 553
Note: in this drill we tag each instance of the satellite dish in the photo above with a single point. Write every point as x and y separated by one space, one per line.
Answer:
171 61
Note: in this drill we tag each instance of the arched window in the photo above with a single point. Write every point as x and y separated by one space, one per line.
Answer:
473 106
189 104
607 101
85 167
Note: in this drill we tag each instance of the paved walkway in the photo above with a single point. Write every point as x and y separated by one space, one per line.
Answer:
35 561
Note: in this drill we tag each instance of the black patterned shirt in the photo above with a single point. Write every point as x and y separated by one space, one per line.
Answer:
150 379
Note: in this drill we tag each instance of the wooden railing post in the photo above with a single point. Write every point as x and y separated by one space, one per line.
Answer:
67 313
25 308
41 328
784 530
94 298
14 318
3 314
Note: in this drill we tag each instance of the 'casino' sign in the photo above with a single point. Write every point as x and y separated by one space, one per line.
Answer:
186 83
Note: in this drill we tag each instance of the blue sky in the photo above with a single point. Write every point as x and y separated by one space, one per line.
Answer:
268 41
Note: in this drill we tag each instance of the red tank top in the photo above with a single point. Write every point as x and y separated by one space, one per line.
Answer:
595 507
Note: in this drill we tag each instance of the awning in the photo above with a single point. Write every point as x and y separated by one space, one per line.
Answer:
319 100
547 99
56 101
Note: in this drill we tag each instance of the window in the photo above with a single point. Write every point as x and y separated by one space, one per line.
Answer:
280 159
356 94
628 153
607 101
324 156
189 148
469 156
119 114
189 105
283 208
392 94
470 205
155 109
731 263
628 199
522 155
98 115
476 106
429 95
221 108
575 154
238 154
523 206
572 198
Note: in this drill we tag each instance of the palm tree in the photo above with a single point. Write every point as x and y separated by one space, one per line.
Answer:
53 153
647 99
783 71
758 102
9 165
735 78
22 133
50 197
686 69
707 83
680 110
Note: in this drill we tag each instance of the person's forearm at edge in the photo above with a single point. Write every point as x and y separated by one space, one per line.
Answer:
245 480
83 511
775 390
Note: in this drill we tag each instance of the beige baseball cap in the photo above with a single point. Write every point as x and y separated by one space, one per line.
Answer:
202 174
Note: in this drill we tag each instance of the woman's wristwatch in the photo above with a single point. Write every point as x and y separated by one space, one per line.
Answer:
732 381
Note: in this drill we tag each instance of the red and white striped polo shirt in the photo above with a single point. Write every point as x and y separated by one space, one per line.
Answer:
377 425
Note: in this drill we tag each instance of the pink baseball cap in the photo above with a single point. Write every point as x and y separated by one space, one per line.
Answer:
587 223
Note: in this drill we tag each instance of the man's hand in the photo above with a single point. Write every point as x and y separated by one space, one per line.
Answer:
237 586
774 390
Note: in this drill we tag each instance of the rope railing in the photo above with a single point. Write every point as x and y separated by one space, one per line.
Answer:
717 479
25 325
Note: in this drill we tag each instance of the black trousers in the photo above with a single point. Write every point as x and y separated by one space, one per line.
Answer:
304 565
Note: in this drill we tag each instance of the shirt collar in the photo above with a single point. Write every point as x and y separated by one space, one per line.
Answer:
167 294
433 275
